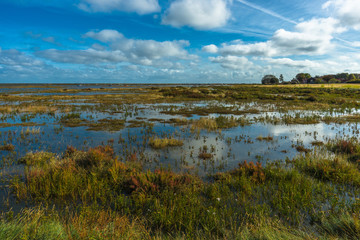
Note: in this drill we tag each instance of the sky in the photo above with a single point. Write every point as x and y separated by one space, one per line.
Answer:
176 41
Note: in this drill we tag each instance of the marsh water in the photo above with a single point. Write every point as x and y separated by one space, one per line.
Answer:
42 131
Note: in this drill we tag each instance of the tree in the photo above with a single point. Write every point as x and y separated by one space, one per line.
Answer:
281 78
352 77
269 79
342 76
319 80
303 77
334 80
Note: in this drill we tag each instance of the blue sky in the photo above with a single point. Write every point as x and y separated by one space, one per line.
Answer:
175 41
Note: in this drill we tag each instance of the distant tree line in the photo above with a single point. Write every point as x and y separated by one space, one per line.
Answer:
306 78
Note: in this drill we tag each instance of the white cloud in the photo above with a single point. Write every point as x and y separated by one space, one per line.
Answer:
210 48
106 35
119 49
232 62
311 37
255 49
355 44
15 58
347 11
199 14
138 6
16 65
325 26
151 49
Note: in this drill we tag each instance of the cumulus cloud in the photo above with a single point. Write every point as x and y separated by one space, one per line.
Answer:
199 14
138 6
21 67
311 37
232 62
210 48
120 49
255 49
15 58
142 49
347 11
16 65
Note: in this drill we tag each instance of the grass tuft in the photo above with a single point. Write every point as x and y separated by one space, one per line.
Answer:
158 143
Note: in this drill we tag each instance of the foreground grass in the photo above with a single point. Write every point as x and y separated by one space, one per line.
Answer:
98 197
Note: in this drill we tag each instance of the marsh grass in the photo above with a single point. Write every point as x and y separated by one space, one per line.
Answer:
344 146
303 149
87 223
345 226
337 169
204 111
348 148
39 159
250 202
23 124
267 139
317 143
72 120
205 155
158 143
32 130
107 125
7 147
221 122
289 119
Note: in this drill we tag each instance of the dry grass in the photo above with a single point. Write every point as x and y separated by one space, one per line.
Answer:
36 109
205 123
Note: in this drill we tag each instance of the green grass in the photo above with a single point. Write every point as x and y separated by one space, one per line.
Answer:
102 195
337 169
86 223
